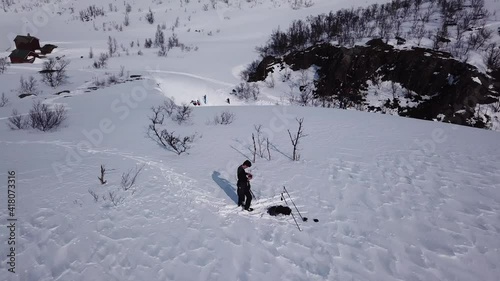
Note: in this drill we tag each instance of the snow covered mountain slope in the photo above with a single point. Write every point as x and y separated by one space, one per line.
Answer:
396 198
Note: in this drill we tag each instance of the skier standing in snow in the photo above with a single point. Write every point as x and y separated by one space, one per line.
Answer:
244 186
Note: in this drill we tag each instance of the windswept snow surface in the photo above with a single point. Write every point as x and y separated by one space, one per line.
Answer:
396 198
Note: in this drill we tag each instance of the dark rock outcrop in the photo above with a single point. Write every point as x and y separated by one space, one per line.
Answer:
443 85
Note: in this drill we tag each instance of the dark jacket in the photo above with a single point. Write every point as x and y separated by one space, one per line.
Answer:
242 177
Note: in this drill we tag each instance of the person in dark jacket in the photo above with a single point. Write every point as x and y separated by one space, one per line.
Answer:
244 186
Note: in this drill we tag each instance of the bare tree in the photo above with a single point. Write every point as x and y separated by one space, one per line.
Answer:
112 46
129 177
169 107
16 121
114 198
268 150
28 87
3 100
296 138
156 119
260 140
183 114
224 118
150 17
94 195
101 178
254 150
247 91
54 72
43 118
177 143
102 61
3 65
165 138
492 56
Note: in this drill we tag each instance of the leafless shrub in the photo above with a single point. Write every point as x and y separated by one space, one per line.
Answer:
28 87
177 143
253 149
129 177
17 121
478 39
3 65
126 21
114 198
94 195
54 72
150 17
162 52
249 69
224 118
268 144
90 13
247 91
169 107
112 79
112 46
183 114
102 61
492 56
43 118
3 100
260 140
101 178
296 138
165 138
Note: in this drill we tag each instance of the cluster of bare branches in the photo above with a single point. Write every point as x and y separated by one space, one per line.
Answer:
28 87
40 117
224 118
129 177
91 12
54 72
169 139
260 144
378 20
296 138
247 91
3 65
3 100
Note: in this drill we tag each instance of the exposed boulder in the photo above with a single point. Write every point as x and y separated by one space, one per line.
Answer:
445 87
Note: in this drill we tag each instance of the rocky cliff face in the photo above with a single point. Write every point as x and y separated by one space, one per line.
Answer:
444 87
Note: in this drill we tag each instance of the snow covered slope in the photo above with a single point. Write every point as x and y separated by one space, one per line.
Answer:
396 199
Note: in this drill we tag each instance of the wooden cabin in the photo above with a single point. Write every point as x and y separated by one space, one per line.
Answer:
22 56
27 42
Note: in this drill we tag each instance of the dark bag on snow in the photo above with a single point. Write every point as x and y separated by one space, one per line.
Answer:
276 210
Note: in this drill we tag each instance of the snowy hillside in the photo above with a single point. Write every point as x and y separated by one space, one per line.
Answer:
395 198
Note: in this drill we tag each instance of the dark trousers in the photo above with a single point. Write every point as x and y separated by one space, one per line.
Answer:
244 191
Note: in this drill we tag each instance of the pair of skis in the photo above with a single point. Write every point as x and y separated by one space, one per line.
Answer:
290 198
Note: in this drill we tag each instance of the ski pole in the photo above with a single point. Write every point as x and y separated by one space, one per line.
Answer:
253 195
296 223
284 188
